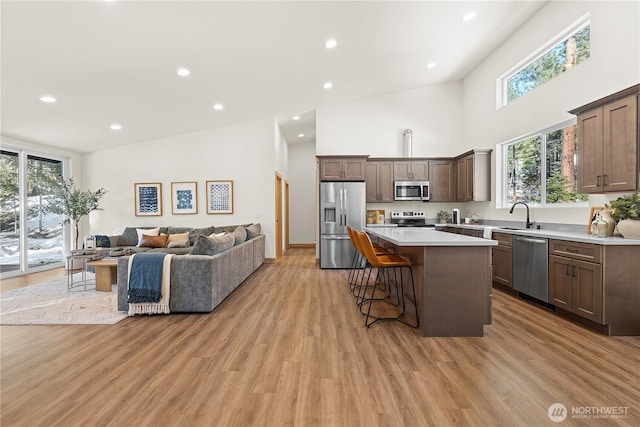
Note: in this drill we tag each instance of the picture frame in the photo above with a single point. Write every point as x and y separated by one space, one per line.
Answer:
184 198
148 198
592 214
219 197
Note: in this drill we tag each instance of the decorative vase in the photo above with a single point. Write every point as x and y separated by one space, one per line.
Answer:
611 223
629 228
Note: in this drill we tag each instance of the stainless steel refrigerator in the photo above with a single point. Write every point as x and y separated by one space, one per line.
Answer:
341 204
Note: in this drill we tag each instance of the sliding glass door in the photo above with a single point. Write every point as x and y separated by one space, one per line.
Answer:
31 230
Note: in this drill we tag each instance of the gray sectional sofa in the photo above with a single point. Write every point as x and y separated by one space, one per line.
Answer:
200 282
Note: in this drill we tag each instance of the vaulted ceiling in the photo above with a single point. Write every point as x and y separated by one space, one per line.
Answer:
116 62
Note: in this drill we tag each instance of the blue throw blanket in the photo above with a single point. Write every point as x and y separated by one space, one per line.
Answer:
145 278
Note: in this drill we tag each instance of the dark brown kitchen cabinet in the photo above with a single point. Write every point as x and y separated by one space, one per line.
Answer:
379 181
502 256
411 170
608 143
442 180
575 278
342 168
473 176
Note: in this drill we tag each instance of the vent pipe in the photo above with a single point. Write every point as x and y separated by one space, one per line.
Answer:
408 142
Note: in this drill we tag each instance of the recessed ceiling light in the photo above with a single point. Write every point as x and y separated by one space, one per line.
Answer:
328 85
301 135
48 99
218 107
296 117
330 44
431 65
115 126
469 16
183 72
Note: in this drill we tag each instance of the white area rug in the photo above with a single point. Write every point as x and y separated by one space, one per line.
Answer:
51 303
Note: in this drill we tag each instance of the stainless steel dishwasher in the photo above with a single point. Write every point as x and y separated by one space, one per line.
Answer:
530 267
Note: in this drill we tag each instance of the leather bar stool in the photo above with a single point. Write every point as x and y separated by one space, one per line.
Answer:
389 275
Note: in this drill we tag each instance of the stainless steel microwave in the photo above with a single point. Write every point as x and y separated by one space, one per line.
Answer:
411 190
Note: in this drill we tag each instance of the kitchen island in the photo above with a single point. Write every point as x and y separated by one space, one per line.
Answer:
452 276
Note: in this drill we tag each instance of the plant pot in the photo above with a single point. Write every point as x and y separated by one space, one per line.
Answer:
629 228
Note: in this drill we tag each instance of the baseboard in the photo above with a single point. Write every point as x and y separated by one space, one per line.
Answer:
269 260
302 245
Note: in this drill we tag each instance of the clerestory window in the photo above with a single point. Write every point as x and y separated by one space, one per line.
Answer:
568 49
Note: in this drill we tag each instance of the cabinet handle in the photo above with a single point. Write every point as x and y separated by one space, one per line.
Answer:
598 180
604 180
566 269
573 270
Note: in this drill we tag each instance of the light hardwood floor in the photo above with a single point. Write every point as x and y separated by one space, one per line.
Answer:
289 348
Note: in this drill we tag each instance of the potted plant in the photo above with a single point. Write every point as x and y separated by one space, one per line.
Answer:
443 217
75 203
626 211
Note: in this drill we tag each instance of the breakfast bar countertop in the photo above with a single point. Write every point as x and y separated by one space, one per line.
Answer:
419 236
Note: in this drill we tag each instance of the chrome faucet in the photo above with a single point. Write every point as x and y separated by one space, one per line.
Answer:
529 223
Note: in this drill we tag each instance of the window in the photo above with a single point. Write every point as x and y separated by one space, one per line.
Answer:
540 168
570 48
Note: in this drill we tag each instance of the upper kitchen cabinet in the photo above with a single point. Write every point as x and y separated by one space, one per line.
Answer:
473 176
342 168
608 134
442 179
379 180
411 170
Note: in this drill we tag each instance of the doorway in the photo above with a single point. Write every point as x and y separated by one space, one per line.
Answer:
278 215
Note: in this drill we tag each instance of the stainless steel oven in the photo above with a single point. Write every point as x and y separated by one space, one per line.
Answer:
411 190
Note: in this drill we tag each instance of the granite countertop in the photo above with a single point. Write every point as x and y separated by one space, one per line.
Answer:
569 235
417 236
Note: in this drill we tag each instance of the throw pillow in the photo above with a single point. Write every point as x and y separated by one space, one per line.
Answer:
239 234
153 241
178 237
102 241
178 244
148 232
212 245
253 231
194 233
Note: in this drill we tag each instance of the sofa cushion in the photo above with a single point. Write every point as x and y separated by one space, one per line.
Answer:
253 231
129 237
146 231
178 230
211 245
228 228
239 234
153 241
195 232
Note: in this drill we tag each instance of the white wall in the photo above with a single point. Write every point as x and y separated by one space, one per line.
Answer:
374 126
614 65
302 183
243 153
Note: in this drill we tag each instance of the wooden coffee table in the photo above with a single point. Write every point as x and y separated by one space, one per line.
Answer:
106 273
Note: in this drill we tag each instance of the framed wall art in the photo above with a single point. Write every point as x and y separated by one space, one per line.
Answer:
219 197
184 198
148 198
